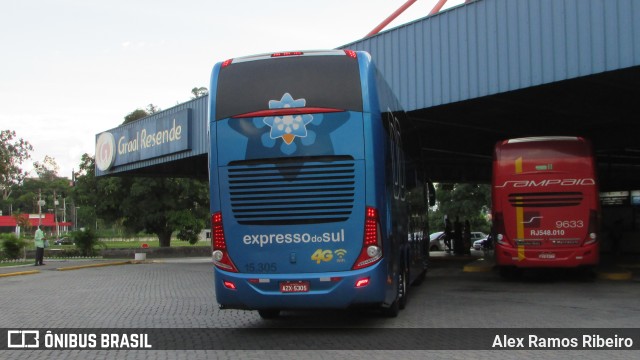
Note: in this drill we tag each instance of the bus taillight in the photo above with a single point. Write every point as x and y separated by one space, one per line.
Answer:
351 54
287 53
219 245
226 63
593 227
371 251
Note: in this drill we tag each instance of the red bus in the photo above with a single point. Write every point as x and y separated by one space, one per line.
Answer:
545 203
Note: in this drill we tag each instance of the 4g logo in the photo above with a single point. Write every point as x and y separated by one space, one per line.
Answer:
327 255
322 255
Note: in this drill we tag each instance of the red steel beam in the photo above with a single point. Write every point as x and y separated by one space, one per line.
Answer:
436 9
391 17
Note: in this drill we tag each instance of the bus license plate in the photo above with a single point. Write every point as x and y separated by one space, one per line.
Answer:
547 256
294 286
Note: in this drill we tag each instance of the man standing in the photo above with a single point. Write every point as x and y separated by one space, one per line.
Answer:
447 234
39 242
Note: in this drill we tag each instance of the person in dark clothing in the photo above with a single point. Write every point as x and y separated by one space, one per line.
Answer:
447 234
466 238
458 246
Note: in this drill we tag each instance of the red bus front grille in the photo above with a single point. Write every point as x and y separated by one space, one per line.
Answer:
546 199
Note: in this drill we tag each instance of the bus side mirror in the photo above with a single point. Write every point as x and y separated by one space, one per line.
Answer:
432 193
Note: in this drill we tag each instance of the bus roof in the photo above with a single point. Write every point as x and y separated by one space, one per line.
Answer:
283 54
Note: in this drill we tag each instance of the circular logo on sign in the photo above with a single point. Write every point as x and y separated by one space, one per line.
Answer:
105 151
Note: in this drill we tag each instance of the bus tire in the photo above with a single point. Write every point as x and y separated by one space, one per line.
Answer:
269 313
401 296
391 311
403 280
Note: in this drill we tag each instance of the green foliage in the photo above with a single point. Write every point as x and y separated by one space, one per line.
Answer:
199 91
466 201
23 221
86 241
11 246
47 169
158 206
188 226
25 198
135 115
13 152
169 204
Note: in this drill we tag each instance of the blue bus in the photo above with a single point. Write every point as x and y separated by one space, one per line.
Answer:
315 202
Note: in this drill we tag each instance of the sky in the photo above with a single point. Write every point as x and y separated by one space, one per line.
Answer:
71 69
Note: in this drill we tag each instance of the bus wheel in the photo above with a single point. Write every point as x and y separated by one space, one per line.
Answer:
401 296
269 313
392 311
402 288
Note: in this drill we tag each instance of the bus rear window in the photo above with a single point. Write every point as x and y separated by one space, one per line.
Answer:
323 81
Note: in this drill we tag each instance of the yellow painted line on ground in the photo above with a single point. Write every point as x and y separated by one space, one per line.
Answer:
28 272
478 266
93 265
615 275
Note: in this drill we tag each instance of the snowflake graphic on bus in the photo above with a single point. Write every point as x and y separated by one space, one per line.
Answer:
288 127
294 134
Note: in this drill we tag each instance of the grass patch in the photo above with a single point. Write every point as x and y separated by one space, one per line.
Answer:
15 263
137 244
126 244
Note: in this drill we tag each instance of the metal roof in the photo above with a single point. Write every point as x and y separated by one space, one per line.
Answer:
494 46
490 70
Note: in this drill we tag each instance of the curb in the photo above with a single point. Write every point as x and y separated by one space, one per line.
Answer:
28 272
94 265
615 275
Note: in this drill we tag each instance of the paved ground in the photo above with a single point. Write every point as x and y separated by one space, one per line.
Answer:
174 294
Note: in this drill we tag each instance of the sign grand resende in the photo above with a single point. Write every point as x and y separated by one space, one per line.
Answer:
145 139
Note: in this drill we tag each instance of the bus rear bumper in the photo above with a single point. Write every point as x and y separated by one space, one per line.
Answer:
530 257
335 290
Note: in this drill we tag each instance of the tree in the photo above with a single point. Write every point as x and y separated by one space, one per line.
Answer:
198 92
135 115
159 206
97 197
138 114
25 198
48 169
22 220
164 205
465 201
13 152
152 109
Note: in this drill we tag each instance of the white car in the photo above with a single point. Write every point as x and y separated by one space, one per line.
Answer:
436 241
477 245
477 235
